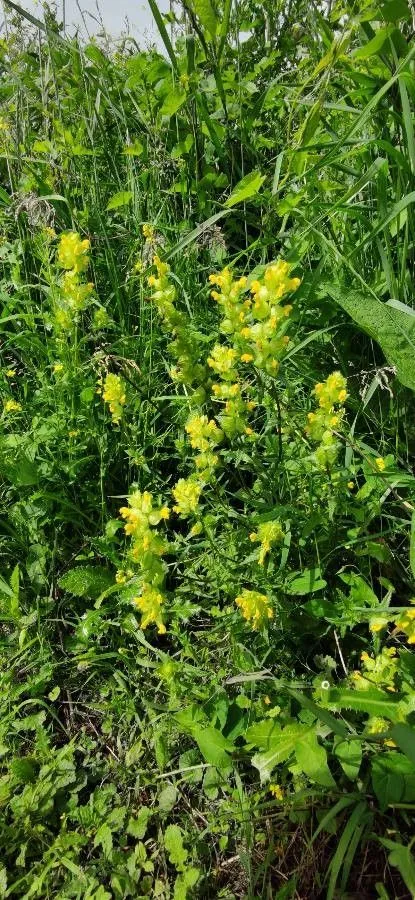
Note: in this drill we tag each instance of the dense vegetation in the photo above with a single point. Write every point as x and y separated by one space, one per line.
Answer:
207 686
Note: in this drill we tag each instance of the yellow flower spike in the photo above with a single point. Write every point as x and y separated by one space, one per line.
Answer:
57 368
378 624
246 357
186 494
350 485
150 604
11 406
10 373
114 394
380 464
165 512
73 252
255 608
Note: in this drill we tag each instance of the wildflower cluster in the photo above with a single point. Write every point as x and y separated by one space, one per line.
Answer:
74 292
113 392
267 534
188 370
148 546
256 327
255 608
331 395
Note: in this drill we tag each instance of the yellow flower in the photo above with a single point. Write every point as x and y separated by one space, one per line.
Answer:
246 357
203 432
222 361
350 485
255 607
73 252
276 791
378 624
12 406
406 623
380 464
114 394
10 373
268 534
150 603
148 232
332 391
57 367
186 493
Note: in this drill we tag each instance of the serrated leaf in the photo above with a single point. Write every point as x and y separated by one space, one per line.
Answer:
86 581
372 702
173 842
393 329
122 198
283 746
103 838
246 188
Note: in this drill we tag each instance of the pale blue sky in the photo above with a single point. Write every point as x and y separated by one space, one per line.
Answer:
113 12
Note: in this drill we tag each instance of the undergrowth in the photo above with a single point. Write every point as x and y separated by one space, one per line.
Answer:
207 536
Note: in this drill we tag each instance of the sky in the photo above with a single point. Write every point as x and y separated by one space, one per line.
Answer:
113 12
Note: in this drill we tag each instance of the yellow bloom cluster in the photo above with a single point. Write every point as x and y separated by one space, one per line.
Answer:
204 435
222 361
381 669
113 392
406 624
148 232
74 293
267 534
255 608
257 325
11 406
150 603
186 494
331 395
148 546
73 252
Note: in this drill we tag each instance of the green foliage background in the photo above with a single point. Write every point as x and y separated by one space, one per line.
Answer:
134 764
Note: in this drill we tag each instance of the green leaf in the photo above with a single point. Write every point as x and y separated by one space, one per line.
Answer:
207 16
214 747
122 198
103 838
403 860
373 46
167 798
404 736
185 882
246 188
86 581
283 746
174 100
349 754
393 779
173 842
372 702
137 827
392 328
312 759
307 582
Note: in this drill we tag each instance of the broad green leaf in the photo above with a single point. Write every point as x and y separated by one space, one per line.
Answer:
167 798
282 747
214 747
392 328
262 734
207 16
404 736
246 188
349 754
103 838
307 582
137 827
174 100
403 860
122 198
312 759
185 882
173 842
373 46
86 581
